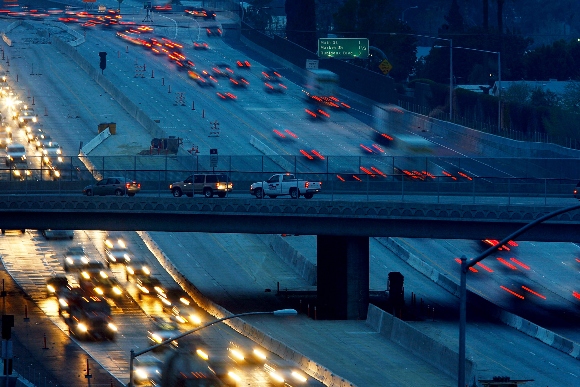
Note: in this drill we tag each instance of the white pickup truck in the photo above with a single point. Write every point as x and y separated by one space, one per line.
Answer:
285 184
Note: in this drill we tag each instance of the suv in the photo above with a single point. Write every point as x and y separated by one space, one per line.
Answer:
576 191
206 184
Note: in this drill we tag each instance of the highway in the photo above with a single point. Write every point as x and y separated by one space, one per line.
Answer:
76 121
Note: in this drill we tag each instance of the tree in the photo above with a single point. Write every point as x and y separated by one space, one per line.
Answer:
301 23
455 23
486 15
258 15
557 61
518 92
541 98
500 4
376 20
571 97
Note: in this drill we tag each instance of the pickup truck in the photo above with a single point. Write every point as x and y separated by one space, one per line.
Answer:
285 184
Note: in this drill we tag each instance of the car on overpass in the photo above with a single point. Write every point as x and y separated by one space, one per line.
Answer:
118 186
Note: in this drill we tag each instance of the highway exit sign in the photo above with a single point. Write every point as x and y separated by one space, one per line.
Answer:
343 48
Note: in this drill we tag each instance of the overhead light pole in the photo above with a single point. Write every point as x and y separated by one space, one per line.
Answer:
281 312
498 82
463 282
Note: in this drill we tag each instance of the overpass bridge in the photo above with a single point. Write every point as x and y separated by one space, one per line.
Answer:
343 228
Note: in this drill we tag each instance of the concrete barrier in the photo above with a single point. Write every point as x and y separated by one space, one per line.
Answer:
259 145
126 103
7 40
486 307
486 143
98 139
302 266
428 349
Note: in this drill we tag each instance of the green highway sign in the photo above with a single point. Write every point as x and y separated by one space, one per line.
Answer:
343 48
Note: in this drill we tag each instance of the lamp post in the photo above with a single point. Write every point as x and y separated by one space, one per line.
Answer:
463 282
281 312
403 13
243 12
450 65
498 82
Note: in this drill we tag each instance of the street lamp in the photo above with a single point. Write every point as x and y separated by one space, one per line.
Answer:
463 282
403 13
450 65
498 83
281 312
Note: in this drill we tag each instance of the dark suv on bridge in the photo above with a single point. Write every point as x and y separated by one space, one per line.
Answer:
577 191
205 184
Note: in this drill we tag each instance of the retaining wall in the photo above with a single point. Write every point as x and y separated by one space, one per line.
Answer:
483 306
428 349
488 144
301 265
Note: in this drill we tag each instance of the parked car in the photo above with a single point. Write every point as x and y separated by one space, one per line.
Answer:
118 186
206 184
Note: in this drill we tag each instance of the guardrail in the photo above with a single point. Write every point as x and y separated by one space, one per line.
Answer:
370 187
458 167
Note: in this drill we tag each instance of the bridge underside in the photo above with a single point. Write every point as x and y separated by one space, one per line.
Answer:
342 277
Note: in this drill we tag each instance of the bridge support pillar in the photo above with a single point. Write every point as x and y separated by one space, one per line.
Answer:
342 277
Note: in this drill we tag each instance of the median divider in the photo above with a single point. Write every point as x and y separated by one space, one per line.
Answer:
269 153
302 266
428 349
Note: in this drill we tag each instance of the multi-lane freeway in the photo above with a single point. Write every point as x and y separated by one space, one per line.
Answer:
70 106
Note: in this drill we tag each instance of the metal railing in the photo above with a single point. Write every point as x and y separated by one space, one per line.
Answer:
366 187
342 177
